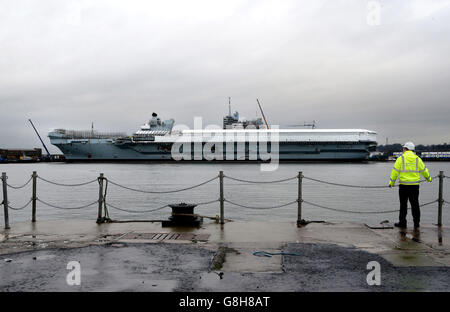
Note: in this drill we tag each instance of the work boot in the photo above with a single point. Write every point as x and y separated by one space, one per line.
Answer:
400 225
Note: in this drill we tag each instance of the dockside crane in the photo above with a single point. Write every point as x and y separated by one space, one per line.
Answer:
43 144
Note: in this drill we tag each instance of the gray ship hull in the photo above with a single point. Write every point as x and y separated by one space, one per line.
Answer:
100 150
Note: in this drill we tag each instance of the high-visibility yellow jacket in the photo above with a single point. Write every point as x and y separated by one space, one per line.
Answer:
408 169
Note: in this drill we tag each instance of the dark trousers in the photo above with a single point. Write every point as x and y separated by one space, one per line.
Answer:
411 193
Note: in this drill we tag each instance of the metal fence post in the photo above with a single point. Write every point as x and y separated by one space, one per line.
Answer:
221 198
100 198
33 198
5 200
440 198
300 221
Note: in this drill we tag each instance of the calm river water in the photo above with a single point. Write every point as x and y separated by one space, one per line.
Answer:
169 176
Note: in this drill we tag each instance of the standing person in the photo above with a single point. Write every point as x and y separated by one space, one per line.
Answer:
408 168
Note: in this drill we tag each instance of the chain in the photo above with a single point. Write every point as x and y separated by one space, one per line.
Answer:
349 211
19 187
207 203
249 181
9 206
213 201
252 207
163 192
346 185
68 208
70 185
355 186
136 211
429 203
360 212
156 209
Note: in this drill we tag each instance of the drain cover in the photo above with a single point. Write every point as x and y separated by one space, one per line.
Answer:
166 236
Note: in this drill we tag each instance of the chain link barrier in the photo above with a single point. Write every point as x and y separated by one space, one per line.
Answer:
360 212
260 208
260 182
355 186
207 203
162 192
107 204
66 208
135 211
68 185
155 209
21 186
20 208
429 203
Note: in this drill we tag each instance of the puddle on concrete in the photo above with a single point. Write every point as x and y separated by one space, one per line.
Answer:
133 284
211 280
410 259
244 261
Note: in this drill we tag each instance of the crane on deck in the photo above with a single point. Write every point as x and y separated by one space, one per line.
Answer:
262 113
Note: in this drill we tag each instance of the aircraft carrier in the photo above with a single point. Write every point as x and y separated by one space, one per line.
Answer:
236 140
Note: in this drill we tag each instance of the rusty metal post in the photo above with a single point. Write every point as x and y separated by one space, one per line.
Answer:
100 198
5 200
33 197
221 198
299 199
440 198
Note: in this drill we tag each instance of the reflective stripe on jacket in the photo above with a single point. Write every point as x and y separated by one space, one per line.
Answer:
408 169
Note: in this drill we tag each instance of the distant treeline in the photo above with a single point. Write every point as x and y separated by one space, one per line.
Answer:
391 148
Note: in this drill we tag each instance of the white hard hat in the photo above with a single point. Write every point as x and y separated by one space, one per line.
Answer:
409 145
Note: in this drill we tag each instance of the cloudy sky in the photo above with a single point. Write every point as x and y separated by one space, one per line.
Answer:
345 64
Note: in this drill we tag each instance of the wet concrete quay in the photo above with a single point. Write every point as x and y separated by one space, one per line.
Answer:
214 257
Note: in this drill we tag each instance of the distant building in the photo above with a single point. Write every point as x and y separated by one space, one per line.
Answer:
428 155
435 155
20 154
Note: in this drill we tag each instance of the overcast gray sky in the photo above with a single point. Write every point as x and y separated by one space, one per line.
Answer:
67 63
